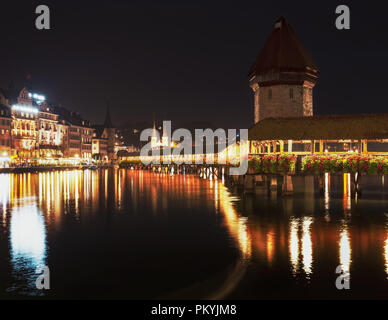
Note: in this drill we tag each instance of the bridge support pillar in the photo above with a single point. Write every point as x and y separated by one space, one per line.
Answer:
309 185
259 180
287 188
321 185
274 184
249 183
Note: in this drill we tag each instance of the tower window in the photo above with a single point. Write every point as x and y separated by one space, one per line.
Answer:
270 94
291 93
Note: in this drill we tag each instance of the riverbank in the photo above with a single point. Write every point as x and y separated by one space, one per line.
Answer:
33 169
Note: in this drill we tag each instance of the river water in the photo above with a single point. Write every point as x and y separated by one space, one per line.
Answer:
137 235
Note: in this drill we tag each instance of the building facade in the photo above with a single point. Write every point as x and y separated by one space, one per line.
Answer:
51 132
5 128
24 126
100 144
32 128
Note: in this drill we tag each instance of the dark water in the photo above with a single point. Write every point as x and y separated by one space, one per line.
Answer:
137 234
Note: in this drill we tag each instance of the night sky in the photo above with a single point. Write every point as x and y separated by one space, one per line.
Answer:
187 60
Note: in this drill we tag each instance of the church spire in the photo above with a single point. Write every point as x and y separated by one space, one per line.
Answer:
108 120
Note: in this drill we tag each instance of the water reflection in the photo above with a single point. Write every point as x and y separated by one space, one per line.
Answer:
302 238
294 245
5 195
385 249
27 243
347 193
307 246
327 197
301 246
270 246
386 256
236 224
345 251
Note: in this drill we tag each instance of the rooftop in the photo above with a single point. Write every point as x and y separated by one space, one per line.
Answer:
283 51
322 127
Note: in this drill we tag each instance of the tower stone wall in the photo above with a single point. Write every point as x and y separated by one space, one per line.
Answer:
283 100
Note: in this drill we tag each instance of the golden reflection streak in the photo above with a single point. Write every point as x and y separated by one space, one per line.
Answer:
294 245
385 249
347 193
386 256
270 245
5 194
307 247
47 193
76 192
239 230
216 195
327 191
237 225
115 185
87 184
106 185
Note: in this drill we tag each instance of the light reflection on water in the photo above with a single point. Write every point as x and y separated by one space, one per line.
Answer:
301 246
236 224
345 251
27 244
305 236
386 256
307 247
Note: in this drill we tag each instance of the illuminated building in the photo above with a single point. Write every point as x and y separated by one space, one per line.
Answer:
32 128
5 131
24 133
77 134
80 140
100 144
50 132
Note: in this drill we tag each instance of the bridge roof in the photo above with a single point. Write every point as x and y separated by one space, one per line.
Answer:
323 127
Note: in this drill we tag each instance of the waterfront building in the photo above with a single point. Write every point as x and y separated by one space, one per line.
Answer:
24 125
80 139
5 130
33 128
51 132
111 135
100 143
104 141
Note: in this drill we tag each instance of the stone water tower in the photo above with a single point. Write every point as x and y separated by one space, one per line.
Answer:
283 76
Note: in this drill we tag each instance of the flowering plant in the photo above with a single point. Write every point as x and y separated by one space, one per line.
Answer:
281 163
368 164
